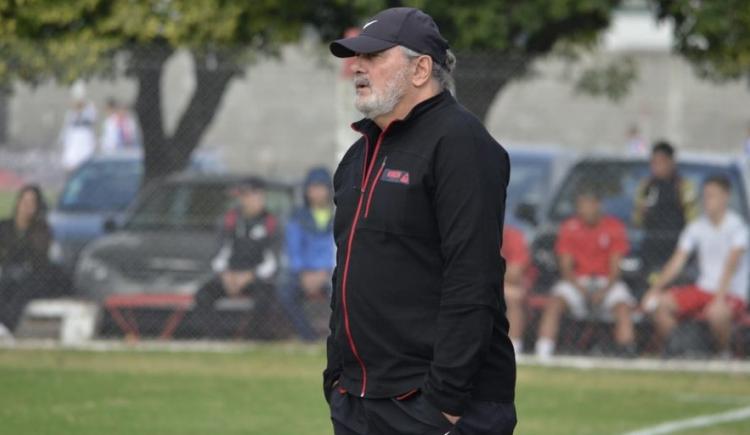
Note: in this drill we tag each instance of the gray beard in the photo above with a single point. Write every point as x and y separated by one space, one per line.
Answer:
378 104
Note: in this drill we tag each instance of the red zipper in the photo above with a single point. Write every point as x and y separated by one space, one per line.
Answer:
352 231
374 185
407 394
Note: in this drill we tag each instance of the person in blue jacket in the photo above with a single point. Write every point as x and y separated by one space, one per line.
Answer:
310 250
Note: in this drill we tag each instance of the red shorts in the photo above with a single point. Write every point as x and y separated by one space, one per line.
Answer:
692 300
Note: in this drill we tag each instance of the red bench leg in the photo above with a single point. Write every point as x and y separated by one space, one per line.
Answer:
126 325
172 323
130 317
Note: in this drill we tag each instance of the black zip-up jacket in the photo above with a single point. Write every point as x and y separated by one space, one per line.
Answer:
418 301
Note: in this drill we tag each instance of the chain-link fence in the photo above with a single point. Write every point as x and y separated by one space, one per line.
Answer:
625 261
151 235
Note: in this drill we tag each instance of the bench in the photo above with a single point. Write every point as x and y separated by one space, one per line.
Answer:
122 307
122 310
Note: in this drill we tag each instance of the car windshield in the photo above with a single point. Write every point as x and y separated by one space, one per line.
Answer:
529 178
618 182
111 185
102 186
196 206
181 206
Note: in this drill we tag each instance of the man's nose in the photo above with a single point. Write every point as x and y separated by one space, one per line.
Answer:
357 65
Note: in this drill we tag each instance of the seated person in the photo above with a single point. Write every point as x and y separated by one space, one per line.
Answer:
311 252
589 247
720 237
246 263
664 203
26 272
515 251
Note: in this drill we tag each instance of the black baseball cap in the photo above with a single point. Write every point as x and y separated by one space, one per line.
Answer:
409 27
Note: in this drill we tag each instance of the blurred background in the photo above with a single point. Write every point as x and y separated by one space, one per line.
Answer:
165 176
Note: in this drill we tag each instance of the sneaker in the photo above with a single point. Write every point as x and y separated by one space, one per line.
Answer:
5 334
544 349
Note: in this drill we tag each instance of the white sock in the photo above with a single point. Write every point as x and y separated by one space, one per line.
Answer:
517 345
545 347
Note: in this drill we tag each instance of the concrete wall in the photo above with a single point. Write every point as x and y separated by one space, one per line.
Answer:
278 119
290 113
667 101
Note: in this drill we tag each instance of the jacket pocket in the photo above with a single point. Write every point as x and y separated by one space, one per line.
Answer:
386 200
374 187
399 202
420 409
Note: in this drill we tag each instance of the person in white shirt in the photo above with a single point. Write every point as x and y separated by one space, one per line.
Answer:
635 143
720 237
77 135
119 130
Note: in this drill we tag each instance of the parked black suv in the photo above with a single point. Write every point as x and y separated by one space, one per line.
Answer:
168 240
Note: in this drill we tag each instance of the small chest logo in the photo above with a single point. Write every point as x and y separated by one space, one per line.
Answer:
395 176
604 240
258 232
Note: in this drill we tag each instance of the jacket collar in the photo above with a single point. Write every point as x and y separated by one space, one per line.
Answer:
368 126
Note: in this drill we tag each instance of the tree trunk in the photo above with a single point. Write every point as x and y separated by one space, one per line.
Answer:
164 155
210 86
148 64
4 97
481 76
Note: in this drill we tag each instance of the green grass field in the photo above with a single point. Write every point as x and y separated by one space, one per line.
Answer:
275 389
6 203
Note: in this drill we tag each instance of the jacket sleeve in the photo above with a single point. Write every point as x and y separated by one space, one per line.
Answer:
640 203
470 179
266 269
333 366
294 246
225 241
689 199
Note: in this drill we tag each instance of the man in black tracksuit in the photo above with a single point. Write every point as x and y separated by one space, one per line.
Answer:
419 339
246 263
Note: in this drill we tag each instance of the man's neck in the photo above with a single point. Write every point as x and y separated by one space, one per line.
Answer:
668 177
592 223
406 105
717 218
251 216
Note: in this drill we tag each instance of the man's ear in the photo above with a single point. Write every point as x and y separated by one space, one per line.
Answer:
422 71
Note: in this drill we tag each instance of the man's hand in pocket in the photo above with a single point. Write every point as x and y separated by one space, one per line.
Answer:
452 418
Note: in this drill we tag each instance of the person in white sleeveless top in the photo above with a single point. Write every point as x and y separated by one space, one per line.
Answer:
720 239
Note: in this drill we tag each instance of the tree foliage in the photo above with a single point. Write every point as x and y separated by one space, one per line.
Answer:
714 35
497 41
65 40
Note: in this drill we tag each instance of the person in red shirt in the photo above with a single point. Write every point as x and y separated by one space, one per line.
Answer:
515 251
589 247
